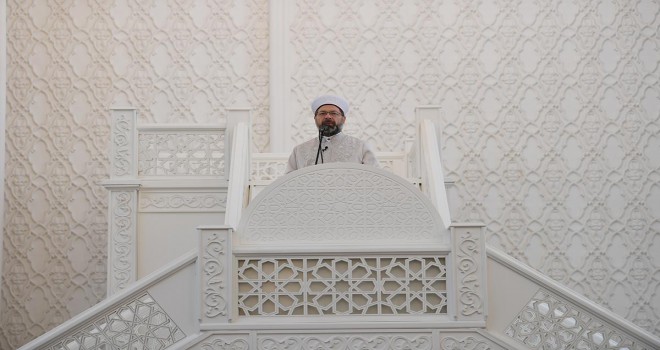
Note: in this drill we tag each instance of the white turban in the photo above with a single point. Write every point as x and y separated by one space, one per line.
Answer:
330 100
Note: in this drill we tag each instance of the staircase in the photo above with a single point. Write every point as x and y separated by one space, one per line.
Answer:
336 256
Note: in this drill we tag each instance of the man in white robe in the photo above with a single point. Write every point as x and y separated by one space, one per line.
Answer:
332 145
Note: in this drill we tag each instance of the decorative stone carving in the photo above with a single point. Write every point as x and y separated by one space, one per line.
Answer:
469 253
330 286
122 243
138 324
428 70
215 260
267 169
467 342
182 202
224 342
376 341
547 321
341 202
182 153
270 168
122 153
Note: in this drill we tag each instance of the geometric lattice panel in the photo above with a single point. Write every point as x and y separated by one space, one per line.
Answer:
547 322
139 324
301 286
181 154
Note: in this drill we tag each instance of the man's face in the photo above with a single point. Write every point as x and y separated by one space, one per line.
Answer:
330 115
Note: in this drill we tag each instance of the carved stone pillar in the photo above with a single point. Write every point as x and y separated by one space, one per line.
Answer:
122 206
123 144
122 236
215 277
469 271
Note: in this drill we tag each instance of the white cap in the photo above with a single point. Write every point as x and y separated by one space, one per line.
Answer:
330 100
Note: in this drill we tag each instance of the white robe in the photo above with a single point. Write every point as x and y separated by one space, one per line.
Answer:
337 148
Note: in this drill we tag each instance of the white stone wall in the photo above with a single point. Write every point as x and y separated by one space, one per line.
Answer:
69 62
551 122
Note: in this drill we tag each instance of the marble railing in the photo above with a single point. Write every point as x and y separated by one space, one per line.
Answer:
419 163
345 256
164 181
341 253
338 256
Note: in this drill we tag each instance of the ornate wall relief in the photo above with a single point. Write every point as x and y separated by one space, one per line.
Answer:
122 144
67 64
550 123
549 129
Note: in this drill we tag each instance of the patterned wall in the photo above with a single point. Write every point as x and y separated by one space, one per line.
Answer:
551 123
69 61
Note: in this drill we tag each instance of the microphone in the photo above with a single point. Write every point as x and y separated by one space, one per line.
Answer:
323 129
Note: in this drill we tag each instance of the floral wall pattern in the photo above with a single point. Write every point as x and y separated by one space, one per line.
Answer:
551 123
176 61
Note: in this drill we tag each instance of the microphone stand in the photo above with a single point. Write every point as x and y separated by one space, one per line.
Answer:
319 152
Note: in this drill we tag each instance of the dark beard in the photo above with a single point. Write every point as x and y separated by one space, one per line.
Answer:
332 130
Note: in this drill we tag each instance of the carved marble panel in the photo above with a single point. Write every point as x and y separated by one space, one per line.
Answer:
122 243
549 322
234 341
215 276
181 153
268 167
182 201
366 204
331 286
338 340
369 341
122 151
467 341
470 283
137 324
